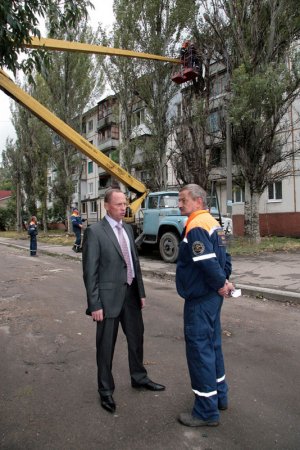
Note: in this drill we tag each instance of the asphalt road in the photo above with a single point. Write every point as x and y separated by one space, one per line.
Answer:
49 397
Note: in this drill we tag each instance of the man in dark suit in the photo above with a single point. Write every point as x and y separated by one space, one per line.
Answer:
115 293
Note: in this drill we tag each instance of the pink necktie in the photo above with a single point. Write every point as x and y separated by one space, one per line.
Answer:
125 252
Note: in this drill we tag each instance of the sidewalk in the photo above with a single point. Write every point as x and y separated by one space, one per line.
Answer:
274 276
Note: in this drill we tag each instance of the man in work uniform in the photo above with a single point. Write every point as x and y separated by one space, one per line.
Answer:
202 273
77 227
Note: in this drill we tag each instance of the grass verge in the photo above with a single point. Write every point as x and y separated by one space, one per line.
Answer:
55 237
243 246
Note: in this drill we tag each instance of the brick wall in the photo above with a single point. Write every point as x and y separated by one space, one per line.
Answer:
277 224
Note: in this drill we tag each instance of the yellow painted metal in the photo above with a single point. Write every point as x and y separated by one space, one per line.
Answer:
135 204
64 130
56 44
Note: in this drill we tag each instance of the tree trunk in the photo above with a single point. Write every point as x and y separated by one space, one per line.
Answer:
252 229
44 218
68 220
18 201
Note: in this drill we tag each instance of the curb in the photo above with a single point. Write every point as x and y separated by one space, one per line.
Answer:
249 290
259 292
43 251
270 294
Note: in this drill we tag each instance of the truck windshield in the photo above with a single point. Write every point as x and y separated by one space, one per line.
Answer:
168 201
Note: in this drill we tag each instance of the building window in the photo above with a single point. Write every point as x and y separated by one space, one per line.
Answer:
83 208
91 189
275 191
145 176
215 156
90 125
104 134
179 110
90 167
218 85
49 181
75 188
94 206
238 195
153 202
114 132
139 117
49 197
214 122
104 181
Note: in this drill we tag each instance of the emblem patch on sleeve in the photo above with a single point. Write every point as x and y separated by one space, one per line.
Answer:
221 238
198 248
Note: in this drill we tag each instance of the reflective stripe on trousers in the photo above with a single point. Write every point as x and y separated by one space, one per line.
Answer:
202 329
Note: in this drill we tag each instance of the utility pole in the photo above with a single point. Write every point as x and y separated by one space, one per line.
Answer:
228 124
228 167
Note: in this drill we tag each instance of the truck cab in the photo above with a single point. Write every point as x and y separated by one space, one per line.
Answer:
162 223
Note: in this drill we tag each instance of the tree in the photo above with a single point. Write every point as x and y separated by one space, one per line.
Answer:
255 42
13 164
154 27
121 74
66 84
19 20
5 180
70 82
199 124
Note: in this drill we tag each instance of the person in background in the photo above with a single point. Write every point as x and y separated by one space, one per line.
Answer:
202 274
77 227
33 232
184 53
115 294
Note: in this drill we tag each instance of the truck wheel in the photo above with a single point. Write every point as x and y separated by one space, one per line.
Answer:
168 247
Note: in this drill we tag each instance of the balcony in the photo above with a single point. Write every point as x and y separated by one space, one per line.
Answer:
108 144
106 121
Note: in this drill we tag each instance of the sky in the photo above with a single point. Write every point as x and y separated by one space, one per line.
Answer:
102 13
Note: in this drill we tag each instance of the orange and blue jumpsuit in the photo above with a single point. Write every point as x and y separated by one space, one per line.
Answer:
32 232
76 222
203 266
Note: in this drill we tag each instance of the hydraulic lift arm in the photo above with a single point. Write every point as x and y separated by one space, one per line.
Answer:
65 131
59 45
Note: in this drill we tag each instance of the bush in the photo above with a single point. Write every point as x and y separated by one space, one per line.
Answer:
7 218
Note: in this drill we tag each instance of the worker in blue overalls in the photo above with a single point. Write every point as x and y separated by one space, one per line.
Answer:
33 232
202 279
77 227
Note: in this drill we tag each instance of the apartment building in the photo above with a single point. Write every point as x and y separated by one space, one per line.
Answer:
100 126
279 206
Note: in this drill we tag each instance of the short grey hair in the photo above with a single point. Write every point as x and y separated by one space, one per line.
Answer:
196 191
109 193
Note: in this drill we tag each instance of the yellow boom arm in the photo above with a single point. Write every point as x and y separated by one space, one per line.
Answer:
56 44
65 131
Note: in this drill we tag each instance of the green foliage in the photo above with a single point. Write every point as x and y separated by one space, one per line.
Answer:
19 21
57 213
254 41
69 83
151 26
5 180
258 97
8 216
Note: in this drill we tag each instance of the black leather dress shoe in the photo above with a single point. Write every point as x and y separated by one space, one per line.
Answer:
150 385
108 403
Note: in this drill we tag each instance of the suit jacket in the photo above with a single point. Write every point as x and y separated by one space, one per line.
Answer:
105 270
